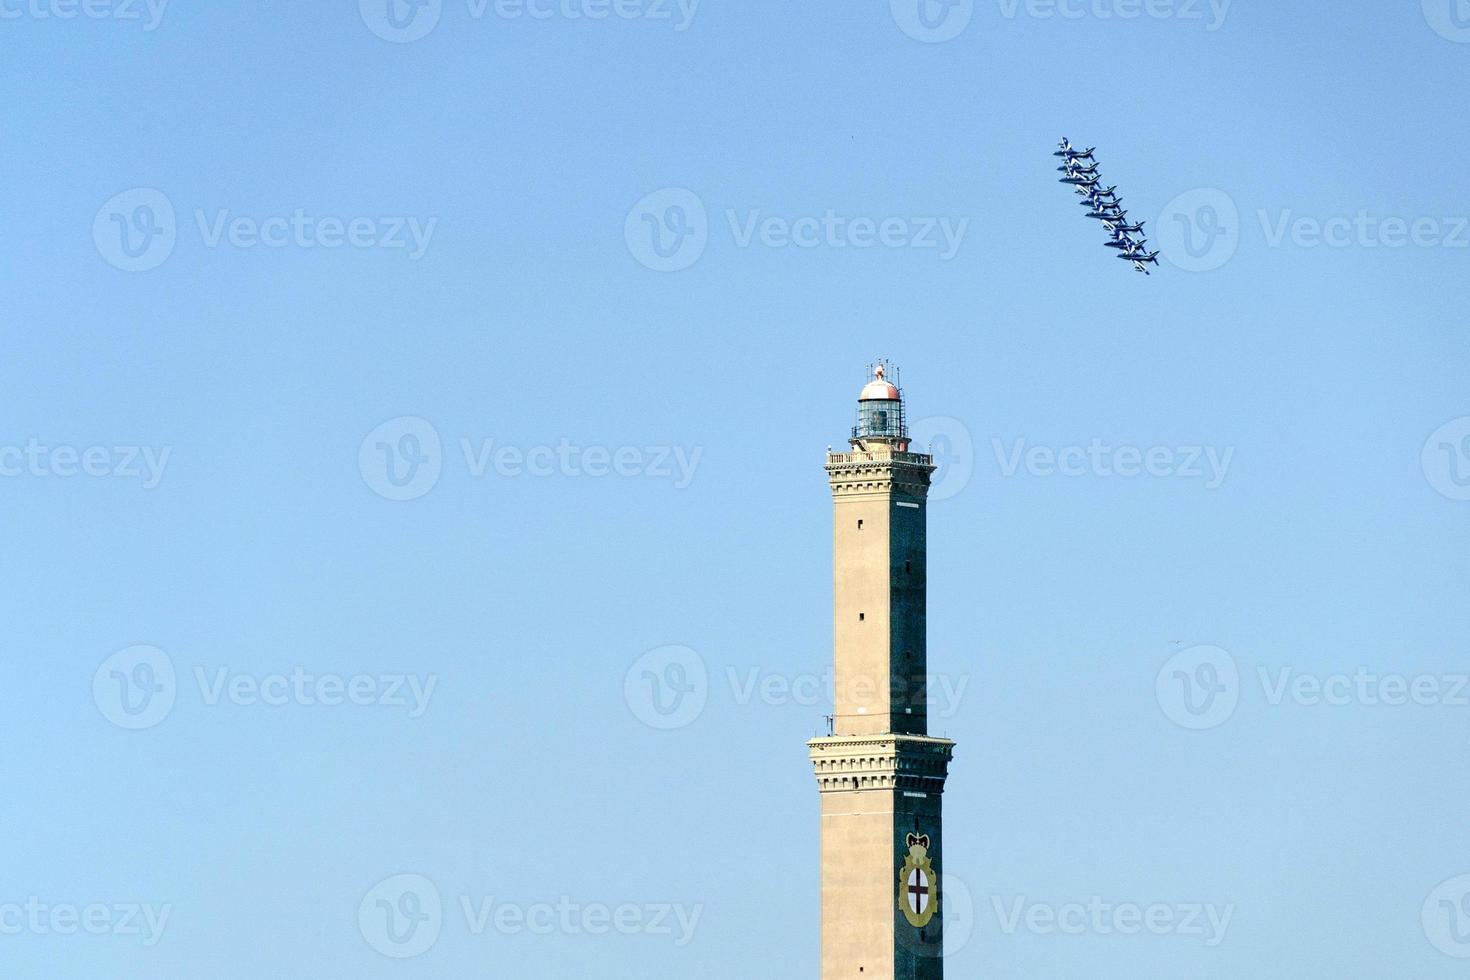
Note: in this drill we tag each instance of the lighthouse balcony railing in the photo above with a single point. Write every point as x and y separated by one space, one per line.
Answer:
920 459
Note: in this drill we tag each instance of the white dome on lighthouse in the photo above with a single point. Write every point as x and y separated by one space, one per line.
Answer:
879 389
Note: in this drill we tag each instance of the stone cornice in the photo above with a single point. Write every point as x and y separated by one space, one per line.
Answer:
846 763
853 473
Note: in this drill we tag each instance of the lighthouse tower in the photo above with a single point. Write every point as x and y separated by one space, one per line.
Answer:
879 772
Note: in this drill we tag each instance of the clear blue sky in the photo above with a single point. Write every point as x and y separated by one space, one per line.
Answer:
268 544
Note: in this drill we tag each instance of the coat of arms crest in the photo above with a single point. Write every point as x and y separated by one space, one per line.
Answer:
918 885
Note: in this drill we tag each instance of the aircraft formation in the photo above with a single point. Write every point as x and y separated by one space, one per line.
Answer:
1080 169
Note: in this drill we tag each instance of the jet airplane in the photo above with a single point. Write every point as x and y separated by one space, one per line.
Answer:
1081 169
1073 169
1067 152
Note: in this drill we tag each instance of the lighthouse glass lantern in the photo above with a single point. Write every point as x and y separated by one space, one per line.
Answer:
880 409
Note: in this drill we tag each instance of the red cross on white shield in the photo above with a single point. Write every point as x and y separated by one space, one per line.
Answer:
918 891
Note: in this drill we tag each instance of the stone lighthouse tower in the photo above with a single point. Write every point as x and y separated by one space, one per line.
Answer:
880 774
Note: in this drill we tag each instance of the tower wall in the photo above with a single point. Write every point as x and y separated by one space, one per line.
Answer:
875 792
880 775
879 584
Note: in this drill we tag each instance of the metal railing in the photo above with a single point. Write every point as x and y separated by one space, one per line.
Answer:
921 459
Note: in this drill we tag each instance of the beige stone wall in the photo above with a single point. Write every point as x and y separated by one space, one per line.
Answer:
862 621
878 588
859 885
